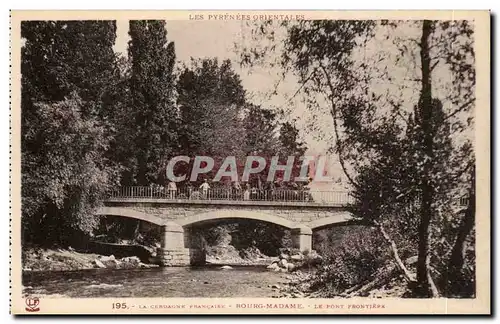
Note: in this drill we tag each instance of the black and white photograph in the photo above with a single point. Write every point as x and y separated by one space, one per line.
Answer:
321 164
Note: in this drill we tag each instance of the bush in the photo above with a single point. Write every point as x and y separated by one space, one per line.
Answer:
355 257
65 173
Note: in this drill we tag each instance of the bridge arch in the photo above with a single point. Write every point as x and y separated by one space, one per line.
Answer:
337 219
130 213
240 214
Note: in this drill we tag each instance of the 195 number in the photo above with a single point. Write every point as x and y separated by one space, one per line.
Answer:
119 305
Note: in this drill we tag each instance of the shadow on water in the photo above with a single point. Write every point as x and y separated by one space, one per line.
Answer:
197 281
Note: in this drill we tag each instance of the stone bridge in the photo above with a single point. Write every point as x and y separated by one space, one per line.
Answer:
177 216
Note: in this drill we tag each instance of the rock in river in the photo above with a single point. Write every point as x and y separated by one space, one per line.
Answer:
147 266
107 258
99 264
284 256
273 266
132 260
226 267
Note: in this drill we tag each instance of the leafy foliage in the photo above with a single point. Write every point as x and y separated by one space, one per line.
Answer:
218 122
67 177
152 108
353 256
406 146
65 90
210 93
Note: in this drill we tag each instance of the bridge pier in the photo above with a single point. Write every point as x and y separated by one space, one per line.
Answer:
173 252
173 247
302 238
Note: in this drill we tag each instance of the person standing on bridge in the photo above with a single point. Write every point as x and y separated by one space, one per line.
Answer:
271 189
204 188
246 193
172 189
236 190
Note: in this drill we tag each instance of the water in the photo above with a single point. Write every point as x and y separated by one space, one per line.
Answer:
241 281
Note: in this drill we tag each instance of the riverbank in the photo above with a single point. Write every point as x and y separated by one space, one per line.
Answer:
69 260
259 261
226 254
36 259
303 284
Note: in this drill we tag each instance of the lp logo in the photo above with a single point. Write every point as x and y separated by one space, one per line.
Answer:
32 304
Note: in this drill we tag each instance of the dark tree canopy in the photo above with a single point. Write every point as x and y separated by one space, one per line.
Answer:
67 71
153 113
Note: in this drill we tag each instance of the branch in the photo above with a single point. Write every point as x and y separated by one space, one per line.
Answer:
461 108
335 127
407 274
303 84
377 282
352 289
435 291
434 65
398 111
416 42
461 172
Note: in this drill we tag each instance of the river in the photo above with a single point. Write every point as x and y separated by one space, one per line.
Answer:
206 281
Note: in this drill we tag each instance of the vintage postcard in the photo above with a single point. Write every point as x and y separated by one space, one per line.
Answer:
250 162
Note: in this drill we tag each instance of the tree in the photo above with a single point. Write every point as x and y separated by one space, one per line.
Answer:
291 145
68 68
153 114
404 149
440 166
211 100
68 177
66 56
121 130
218 122
261 126
423 118
455 278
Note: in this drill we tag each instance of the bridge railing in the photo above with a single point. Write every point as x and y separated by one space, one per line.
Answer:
335 197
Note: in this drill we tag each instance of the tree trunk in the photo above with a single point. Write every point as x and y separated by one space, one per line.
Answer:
456 261
424 119
381 280
409 277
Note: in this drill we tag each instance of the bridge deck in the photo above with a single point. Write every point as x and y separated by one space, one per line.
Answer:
226 202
